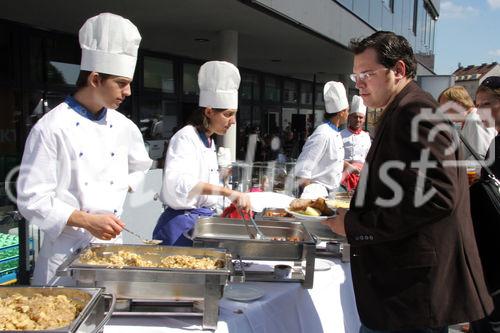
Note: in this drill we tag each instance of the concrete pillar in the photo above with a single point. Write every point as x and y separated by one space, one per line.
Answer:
228 51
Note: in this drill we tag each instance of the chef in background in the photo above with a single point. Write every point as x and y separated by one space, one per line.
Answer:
356 143
191 184
83 156
320 164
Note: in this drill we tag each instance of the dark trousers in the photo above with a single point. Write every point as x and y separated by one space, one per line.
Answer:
365 329
491 323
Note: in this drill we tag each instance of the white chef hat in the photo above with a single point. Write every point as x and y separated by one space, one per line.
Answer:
219 82
109 45
335 97
357 106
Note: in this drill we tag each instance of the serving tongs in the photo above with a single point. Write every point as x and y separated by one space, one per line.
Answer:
258 233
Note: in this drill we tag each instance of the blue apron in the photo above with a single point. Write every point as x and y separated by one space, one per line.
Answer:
173 224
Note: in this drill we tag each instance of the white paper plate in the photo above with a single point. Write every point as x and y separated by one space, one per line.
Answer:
308 217
322 265
243 293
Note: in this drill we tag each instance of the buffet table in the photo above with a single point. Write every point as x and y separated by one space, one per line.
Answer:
285 307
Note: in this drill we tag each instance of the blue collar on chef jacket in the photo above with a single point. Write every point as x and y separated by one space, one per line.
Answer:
81 110
206 141
332 125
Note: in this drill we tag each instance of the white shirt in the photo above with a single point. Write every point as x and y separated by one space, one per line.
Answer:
189 162
356 146
73 163
477 135
322 158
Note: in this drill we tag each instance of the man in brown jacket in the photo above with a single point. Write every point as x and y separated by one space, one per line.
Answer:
414 259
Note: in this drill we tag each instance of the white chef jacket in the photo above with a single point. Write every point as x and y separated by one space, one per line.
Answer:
477 135
356 146
189 162
70 163
322 158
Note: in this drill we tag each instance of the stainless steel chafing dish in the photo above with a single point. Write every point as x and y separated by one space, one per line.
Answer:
143 286
233 235
93 316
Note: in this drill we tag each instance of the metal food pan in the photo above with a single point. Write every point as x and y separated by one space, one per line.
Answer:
93 316
233 235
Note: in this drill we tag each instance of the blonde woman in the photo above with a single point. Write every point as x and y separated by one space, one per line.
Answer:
477 133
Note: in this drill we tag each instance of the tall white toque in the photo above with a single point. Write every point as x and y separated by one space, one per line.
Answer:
357 105
335 97
109 45
219 82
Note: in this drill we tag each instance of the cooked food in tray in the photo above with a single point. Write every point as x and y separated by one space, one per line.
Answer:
310 207
37 312
129 259
287 239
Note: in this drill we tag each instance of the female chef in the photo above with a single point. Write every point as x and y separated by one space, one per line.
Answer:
191 185
320 164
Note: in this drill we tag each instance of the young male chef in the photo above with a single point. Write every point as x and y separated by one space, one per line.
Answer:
83 156
320 164
356 143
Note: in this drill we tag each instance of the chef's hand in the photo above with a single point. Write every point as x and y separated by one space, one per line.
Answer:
102 226
336 224
351 168
241 200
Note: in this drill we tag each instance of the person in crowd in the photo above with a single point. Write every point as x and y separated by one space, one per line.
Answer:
356 144
191 185
488 97
83 156
478 134
320 164
414 259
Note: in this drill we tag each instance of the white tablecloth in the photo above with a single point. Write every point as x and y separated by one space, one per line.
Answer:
285 307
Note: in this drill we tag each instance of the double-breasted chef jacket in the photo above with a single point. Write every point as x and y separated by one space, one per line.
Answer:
74 160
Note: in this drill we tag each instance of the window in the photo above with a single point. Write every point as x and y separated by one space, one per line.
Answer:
375 18
319 95
190 79
159 74
362 9
346 3
158 121
249 87
272 89
6 72
415 17
389 4
290 92
63 61
62 73
306 93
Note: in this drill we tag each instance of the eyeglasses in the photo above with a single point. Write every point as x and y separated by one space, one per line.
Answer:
365 75
492 82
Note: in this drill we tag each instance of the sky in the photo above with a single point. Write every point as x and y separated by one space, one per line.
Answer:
467 31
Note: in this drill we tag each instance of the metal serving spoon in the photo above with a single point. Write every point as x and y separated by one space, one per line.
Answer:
145 241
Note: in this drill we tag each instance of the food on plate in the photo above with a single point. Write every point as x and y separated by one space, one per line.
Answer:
312 211
276 213
122 259
310 207
37 312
